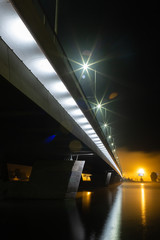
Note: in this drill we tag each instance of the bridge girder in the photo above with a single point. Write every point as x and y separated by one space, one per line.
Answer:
17 72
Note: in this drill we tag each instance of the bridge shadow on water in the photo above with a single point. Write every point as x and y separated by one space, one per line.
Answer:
119 212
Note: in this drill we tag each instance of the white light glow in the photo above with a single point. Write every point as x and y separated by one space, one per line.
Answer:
87 126
95 138
77 113
112 226
85 66
43 65
58 87
90 131
82 120
141 172
99 106
93 135
19 31
18 37
68 101
100 145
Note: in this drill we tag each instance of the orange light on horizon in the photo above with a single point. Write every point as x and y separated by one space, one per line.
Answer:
141 172
132 161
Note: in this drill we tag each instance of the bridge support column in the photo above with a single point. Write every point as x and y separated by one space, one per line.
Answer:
112 177
56 179
108 178
49 180
74 179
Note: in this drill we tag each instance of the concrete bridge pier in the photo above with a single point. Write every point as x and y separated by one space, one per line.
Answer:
56 179
108 178
112 177
48 180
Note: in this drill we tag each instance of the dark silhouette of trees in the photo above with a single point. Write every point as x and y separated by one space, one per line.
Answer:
154 176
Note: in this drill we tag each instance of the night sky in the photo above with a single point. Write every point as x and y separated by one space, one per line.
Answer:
124 34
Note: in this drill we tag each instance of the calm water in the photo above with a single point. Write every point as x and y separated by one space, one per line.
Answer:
125 212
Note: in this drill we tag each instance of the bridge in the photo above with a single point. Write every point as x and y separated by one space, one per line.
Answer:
39 86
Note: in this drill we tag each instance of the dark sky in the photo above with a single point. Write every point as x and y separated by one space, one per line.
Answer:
125 35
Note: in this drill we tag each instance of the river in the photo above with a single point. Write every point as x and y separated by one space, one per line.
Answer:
119 212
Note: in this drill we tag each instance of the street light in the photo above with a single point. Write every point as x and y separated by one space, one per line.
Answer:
99 106
141 174
85 66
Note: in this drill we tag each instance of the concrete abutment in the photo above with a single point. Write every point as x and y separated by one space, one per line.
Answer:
48 180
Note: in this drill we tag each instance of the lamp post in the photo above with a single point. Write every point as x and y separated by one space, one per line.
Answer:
56 17
141 174
98 106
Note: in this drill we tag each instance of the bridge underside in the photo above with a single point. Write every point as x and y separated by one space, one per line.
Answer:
42 126
29 133
30 136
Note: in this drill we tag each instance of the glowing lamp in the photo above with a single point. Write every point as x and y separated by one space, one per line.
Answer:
44 65
58 87
19 31
141 172
85 66
77 113
99 106
87 126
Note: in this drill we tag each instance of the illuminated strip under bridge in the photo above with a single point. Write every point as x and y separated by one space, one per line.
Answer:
39 54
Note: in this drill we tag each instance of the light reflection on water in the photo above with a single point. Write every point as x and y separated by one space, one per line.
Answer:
111 229
143 208
125 212
100 213
85 198
140 211
129 211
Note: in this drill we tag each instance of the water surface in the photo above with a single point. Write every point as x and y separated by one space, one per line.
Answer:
120 212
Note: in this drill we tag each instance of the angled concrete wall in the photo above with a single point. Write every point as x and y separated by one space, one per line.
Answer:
74 179
48 180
